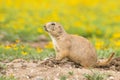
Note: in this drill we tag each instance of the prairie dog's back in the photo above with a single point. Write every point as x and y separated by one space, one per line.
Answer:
82 51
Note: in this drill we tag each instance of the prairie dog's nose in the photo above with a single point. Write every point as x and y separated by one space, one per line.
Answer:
44 26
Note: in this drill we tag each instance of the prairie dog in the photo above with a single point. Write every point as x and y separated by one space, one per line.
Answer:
76 48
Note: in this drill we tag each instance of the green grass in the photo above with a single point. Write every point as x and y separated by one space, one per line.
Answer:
7 78
20 50
95 76
71 73
63 77
24 52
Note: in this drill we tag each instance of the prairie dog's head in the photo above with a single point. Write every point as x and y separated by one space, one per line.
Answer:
53 28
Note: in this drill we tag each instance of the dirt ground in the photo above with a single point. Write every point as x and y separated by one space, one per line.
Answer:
50 69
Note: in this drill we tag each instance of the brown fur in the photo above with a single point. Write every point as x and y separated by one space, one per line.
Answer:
76 48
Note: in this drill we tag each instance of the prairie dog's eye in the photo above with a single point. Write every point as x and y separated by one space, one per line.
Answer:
53 24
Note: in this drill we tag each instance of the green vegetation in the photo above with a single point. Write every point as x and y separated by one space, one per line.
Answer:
7 78
18 50
70 73
95 76
63 77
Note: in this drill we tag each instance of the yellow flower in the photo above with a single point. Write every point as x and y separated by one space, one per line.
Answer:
78 24
7 47
99 44
49 45
117 43
40 30
39 50
15 48
13 45
24 53
2 17
22 46
116 35
17 41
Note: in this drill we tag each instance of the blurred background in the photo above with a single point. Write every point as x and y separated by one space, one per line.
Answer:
21 22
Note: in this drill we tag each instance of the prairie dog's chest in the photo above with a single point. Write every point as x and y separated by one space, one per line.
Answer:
55 43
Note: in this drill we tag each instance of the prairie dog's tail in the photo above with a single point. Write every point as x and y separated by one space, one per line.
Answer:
104 62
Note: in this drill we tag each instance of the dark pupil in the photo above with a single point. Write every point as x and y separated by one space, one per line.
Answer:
53 24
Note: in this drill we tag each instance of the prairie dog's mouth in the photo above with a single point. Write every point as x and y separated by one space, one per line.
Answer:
45 28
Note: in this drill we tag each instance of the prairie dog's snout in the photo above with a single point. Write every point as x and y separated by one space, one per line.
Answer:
49 26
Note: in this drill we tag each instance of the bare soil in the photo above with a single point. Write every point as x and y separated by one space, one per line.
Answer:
50 69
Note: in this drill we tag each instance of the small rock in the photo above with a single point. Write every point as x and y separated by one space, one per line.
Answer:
18 61
35 61
24 66
112 67
38 78
3 72
111 78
